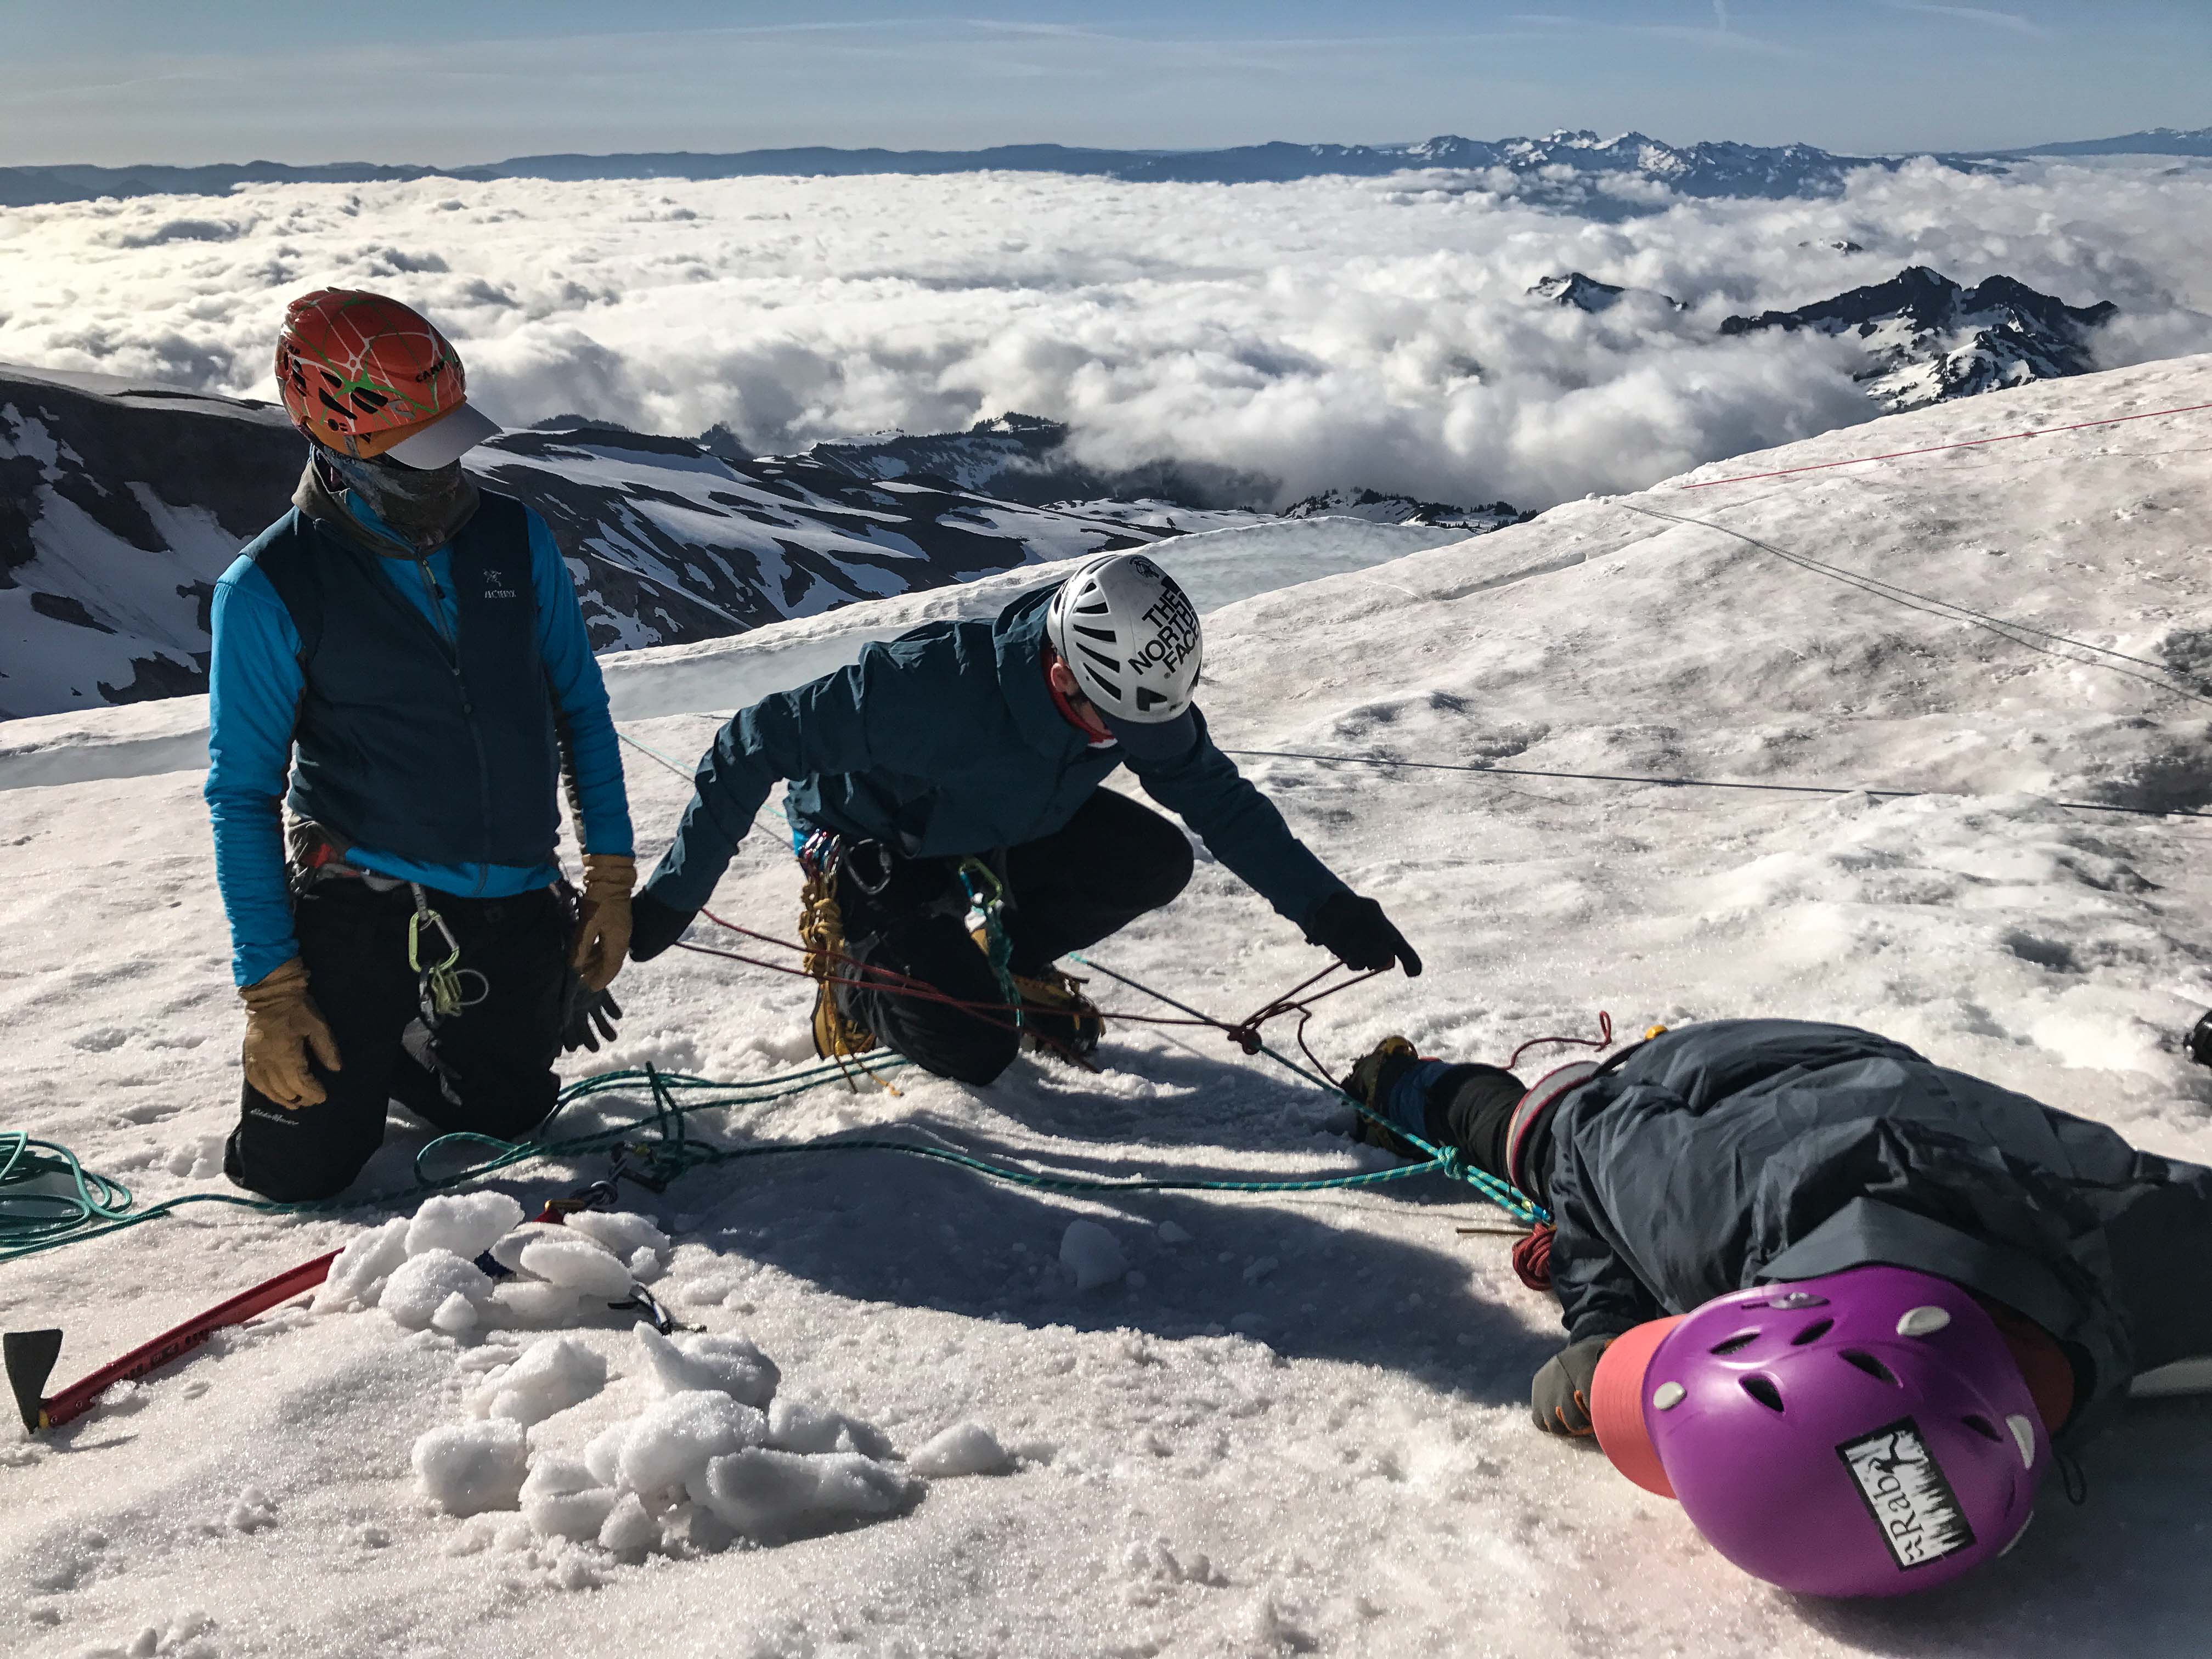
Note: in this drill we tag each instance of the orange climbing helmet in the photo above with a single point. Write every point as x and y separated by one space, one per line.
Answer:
364 375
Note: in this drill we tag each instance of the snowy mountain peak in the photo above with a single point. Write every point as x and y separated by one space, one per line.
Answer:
1588 293
1930 340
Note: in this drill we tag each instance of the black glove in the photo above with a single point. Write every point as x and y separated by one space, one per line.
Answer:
653 926
1355 931
1560 1396
588 1017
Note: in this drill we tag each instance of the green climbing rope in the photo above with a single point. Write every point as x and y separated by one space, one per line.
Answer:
48 1199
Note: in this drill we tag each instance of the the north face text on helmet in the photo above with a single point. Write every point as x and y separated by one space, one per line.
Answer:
1172 621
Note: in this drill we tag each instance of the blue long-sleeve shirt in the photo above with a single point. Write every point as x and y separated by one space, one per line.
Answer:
255 684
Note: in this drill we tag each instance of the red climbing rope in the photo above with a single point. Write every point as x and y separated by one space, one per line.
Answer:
1602 1040
1245 1033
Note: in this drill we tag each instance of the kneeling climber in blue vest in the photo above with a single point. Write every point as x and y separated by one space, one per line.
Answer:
958 767
401 660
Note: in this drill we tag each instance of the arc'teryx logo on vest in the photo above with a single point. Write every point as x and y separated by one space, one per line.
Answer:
493 590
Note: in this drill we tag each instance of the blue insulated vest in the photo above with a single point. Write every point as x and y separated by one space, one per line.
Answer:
439 751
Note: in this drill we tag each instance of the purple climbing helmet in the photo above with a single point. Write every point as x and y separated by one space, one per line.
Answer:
1864 1433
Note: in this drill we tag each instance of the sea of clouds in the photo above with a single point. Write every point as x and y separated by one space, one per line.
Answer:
1326 332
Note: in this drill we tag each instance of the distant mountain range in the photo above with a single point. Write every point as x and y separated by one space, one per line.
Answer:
1563 169
1928 341
1557 169
121 505
2159 141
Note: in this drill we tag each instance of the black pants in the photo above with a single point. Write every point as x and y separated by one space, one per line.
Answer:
494 1070
1111 863
1470 1108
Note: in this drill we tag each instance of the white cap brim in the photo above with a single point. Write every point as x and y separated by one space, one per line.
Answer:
446 439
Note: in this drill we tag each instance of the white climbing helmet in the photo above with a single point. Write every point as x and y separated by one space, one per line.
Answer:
1130 636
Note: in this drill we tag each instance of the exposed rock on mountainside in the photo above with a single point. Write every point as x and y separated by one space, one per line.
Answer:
121 505
1377 508
1928 340
1023 457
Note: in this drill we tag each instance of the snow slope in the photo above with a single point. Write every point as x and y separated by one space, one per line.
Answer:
1291 1425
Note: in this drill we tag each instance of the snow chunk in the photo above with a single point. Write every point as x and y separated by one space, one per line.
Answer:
629 1530
620 1231
586 1267
723 1365
1092 1255
533 1304
464 1224
508 1251
561 1500
795 1427
963 1449
456 1315
770 1495
418 1289
554 1373
356 1277
669 1443
469 1467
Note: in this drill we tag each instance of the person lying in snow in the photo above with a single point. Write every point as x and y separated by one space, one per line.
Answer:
1838 1299
965 759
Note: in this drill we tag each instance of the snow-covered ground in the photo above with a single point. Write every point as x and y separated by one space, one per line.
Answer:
1291 1425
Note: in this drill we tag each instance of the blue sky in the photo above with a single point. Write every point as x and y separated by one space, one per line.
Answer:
402 80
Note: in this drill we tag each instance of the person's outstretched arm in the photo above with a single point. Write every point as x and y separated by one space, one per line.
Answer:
1244 830
842 722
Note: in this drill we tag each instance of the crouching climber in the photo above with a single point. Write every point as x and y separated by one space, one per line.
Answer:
1837 1299
958 768
401 659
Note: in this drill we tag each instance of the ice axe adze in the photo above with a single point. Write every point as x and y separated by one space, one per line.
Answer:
30 1355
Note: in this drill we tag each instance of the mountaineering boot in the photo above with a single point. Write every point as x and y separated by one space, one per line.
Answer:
834 1033
1056 1015
1373 1076
2198 1044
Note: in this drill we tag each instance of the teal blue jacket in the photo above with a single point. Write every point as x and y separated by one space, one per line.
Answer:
946 741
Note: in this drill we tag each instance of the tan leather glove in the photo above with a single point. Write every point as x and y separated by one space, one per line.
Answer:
282 1023
603 925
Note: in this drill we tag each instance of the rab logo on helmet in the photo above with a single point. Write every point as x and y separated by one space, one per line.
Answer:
1907 1494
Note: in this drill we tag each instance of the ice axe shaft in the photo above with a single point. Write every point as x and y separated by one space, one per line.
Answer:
30 1355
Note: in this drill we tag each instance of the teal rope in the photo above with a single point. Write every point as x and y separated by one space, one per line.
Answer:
1443 1160
34 1218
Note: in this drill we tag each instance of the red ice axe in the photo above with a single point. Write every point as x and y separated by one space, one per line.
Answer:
30 1355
